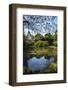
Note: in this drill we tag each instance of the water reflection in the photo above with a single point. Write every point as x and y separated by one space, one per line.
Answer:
39 64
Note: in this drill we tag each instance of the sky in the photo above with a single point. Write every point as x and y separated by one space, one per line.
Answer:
39 24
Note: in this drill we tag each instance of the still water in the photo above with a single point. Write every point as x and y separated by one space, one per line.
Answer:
39 64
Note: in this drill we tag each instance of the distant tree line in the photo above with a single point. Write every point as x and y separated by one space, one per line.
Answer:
39 40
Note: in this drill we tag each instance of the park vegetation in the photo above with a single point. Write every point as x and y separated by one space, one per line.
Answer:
38 44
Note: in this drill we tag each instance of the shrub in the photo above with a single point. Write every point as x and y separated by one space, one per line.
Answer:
37 44
53 67
55 43
41 43
48 37
38 37
45 43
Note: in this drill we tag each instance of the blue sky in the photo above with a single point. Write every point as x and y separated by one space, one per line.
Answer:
40 24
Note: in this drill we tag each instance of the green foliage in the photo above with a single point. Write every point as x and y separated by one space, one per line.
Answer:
38 44
27 42
48 37
45 43
38 37
55 43
41 44
41 41
55 36
53 67
39 52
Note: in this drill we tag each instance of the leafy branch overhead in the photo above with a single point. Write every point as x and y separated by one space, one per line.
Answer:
39 24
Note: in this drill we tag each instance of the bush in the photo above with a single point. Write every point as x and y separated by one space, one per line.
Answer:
37 44
55 43
38 37
53 67
41 43
45 43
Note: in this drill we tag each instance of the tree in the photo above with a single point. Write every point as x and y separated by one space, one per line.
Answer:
38 37
49 38
55 36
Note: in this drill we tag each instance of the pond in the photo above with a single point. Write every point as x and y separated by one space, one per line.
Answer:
39 61
35 64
